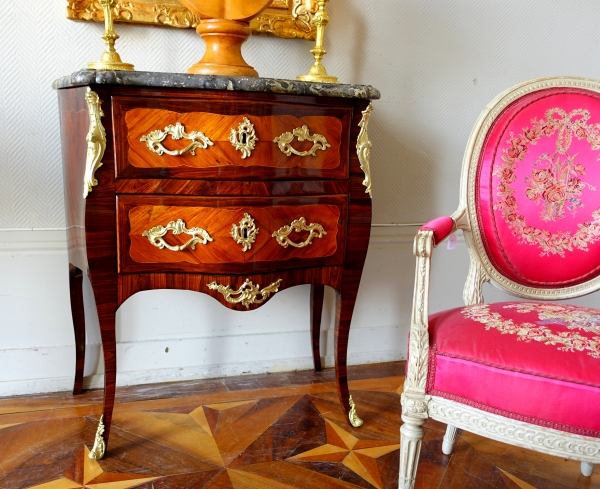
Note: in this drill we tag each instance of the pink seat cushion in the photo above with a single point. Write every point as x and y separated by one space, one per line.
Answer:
535 362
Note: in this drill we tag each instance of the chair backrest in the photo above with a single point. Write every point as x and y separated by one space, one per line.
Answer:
531 190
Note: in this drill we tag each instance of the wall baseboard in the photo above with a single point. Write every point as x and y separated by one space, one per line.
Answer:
179 374
21 367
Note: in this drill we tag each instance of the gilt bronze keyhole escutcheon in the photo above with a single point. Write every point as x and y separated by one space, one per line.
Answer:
244 137
245 232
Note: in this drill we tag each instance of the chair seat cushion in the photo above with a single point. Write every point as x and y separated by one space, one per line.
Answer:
535 362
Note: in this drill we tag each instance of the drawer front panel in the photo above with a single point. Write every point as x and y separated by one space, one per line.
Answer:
201 234
262 141
323 152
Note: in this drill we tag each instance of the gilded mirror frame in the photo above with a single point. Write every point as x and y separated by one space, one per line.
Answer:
288 19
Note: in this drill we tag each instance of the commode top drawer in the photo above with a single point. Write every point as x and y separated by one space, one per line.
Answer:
191 139
200 234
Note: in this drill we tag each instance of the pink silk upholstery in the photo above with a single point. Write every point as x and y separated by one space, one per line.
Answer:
441 227
538 189
535 362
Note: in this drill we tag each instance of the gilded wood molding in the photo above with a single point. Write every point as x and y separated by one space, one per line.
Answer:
96 141
288 19
247 294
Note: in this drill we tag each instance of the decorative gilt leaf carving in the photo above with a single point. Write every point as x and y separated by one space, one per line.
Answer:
289 19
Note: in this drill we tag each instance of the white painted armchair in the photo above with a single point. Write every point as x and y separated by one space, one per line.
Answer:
525 373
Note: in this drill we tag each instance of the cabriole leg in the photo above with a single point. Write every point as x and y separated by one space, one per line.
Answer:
411 435
587 468
449 439
109 347
344 307
317 292
106 305
76 296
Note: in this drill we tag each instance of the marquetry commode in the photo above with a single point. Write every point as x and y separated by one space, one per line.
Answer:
234 187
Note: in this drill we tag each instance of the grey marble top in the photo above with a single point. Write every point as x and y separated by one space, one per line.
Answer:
214 82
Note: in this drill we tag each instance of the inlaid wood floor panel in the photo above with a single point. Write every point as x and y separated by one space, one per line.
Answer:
252 432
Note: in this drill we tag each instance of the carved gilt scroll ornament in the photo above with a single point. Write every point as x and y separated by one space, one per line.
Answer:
245 232
247 294
290 19
155 235
302 133
298 225
244 137
177 131
97 451
96 141
352 416
363 148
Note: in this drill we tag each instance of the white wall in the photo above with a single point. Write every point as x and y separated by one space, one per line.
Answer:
437 63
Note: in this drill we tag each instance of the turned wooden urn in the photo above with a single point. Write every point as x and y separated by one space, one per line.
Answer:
224 26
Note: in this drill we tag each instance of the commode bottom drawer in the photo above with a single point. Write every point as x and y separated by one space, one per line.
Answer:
216 235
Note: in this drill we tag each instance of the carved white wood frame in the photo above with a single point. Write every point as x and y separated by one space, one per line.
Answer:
513 432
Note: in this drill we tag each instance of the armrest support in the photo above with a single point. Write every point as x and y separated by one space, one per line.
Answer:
442 227
414 403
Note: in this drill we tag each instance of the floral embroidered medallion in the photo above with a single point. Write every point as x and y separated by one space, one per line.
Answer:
555 182
571 317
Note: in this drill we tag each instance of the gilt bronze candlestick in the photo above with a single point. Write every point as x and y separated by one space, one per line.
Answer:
110 59
317 72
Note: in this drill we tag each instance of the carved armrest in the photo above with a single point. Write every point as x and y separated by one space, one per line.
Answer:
442 227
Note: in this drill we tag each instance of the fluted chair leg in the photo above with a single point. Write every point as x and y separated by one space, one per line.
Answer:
411 435
449 439
587 468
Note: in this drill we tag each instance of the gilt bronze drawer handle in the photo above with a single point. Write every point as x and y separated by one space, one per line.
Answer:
155 235
298 225
302 133
245 232
176 131
244 138
247 293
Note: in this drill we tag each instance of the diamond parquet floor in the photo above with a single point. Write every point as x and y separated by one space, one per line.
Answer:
271 431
